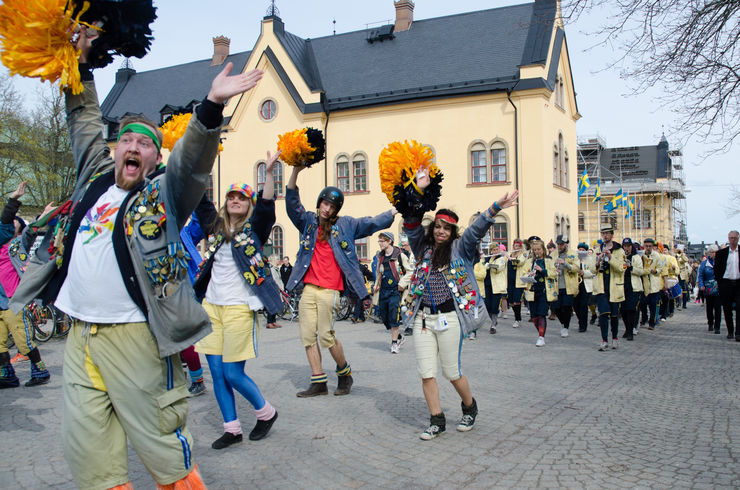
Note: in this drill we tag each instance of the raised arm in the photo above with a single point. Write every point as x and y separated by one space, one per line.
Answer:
474 233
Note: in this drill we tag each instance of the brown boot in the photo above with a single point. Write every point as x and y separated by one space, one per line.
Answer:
344 385
316 389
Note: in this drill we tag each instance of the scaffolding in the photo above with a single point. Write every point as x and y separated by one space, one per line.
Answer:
651 194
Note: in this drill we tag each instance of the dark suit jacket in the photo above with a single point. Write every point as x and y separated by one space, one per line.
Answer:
720 263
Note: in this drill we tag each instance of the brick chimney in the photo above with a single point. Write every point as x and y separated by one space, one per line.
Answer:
220 50
404 15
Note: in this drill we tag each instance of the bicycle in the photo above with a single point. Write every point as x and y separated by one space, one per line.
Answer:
45 321
40 320
290 305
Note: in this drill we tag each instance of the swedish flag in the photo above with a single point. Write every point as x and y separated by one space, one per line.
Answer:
597 195
630 208
614 202
583 184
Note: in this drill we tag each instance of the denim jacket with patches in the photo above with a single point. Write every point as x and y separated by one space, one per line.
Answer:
469 306
246 248
341 239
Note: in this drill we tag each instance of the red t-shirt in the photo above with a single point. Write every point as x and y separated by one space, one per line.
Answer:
324 270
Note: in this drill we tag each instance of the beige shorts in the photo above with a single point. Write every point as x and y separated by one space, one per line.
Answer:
316 313
116 387
235 332
430 344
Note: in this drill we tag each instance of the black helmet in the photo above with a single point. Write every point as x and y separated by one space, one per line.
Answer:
333 195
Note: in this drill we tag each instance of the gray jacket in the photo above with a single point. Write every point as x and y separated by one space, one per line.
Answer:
177 189
469 306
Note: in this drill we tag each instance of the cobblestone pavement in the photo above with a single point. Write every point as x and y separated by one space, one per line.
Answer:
656 413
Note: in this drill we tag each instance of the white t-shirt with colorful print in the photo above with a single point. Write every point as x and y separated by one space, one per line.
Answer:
93 290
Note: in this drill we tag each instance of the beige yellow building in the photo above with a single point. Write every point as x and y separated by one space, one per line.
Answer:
490 92
652 175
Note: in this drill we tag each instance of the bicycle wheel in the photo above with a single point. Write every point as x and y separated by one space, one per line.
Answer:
344 309
285 313
63 323
39 320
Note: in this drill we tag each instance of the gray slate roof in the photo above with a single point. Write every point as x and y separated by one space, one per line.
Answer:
459 54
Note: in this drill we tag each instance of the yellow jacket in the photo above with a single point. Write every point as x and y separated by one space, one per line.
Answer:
683 265
616 277
637 273
653 265
551 280
570 272
672 266
497 266
518 263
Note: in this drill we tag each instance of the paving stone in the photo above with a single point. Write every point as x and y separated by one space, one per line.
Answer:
653 414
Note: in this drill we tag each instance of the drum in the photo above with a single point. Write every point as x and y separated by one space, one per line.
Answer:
675 291
670 282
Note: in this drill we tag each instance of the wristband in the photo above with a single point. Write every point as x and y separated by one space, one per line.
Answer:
496 206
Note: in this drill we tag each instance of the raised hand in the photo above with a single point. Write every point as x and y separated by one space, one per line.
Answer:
224 86
507 200
20 191
48 209
271 159
422 179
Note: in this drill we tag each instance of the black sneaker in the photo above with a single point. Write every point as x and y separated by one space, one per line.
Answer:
436 427
262 428
468 418
37 381
196 388
226 440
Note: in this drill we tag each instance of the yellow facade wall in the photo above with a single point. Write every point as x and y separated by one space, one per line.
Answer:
449 126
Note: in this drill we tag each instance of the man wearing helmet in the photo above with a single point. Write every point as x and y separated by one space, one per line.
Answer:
326 264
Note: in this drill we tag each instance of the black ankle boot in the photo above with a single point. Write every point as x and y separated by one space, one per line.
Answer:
344 385
315 389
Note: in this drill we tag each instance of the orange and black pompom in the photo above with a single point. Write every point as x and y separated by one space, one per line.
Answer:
124 26
174 128
301 147
398 165
35 41
35 35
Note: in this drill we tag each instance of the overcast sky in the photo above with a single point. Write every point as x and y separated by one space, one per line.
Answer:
185 28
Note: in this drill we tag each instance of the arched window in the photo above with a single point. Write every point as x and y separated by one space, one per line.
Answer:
566 162
567 227
499 231
561 155
277 173
555 165
277 241
498 162
343 173
359 172
563 228
478 164
260 176
556 228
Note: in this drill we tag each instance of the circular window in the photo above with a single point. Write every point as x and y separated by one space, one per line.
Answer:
268 110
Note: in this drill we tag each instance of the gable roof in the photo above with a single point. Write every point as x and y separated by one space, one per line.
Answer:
462 54
148 92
